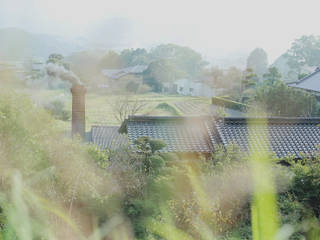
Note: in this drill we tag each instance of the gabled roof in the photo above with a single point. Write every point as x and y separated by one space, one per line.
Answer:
282 136
118 73
108 137
182 134
309 83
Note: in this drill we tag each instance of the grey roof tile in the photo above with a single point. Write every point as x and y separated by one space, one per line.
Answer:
182 134
309 83
108 137
283 136
118 73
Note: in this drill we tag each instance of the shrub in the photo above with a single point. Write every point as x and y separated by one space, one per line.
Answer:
133 87
169 108
44 177
58 111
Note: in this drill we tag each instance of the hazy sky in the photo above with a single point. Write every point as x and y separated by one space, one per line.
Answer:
213 27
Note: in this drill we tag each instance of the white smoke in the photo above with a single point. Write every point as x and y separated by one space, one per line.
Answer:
62 73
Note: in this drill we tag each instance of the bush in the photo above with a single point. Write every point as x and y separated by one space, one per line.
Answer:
227 103
169 108
58 111
44 176
279 99
133 87
306 183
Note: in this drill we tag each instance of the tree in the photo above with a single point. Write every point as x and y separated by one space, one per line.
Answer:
185 59
111 60
258 61
160 72
250 79
248 85
58 59
148 146
304 52
126 106
272 76
280 100
133 87
216 77
233 78
131 57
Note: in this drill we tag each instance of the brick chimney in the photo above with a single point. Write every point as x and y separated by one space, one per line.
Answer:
78 110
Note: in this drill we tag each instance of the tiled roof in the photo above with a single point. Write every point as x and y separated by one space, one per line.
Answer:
108 137
283 136
118 73
182 134
310 82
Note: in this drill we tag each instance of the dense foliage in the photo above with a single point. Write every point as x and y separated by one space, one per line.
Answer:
277 99
304 52
53 188
58 110
258 61
166 63
44 176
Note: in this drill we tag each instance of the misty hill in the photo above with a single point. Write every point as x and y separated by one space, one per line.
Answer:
17 44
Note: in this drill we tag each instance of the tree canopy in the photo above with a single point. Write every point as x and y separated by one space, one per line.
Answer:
304 52
258 61
160 72
111 60
273 75
183 58
131 57
278 99
58 59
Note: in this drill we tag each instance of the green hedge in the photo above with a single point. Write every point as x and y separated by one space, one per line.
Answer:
223 102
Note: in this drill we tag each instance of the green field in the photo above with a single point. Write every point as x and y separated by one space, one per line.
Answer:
100 108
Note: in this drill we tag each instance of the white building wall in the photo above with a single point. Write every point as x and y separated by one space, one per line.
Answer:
187 87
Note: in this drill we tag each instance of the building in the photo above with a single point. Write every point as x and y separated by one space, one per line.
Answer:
203 135
115 74
188 87
282 136
107 137
119 79
310 83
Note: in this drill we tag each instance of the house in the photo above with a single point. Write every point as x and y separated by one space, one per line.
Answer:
188 87
129 75
203 135
107 137
310 83
121 72
282 136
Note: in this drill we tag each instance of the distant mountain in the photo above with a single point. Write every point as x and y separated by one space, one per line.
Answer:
17 44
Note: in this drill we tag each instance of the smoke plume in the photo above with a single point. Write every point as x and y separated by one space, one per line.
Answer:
62 73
